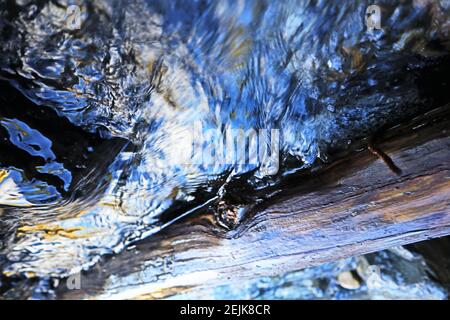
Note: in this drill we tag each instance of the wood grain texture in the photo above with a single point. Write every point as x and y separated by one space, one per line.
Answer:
352 207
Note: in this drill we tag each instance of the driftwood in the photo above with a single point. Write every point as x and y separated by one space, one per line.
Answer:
355 206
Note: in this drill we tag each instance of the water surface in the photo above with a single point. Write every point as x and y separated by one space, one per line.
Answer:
94 120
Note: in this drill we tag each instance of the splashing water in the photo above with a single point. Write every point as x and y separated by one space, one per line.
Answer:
105 114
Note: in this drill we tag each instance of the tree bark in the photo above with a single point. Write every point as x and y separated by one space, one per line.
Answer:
354 206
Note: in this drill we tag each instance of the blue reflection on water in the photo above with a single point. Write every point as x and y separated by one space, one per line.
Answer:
147 71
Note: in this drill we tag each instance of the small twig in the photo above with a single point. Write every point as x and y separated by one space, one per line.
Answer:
383 156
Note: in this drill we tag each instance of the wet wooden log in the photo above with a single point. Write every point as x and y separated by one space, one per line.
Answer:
355 206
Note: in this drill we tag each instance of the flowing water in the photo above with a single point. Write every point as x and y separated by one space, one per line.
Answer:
102 118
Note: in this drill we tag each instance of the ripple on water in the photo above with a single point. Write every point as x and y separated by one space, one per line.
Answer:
126 92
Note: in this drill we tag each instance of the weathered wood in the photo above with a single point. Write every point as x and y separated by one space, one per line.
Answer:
355 206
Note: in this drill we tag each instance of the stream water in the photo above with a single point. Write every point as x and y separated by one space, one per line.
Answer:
137 113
